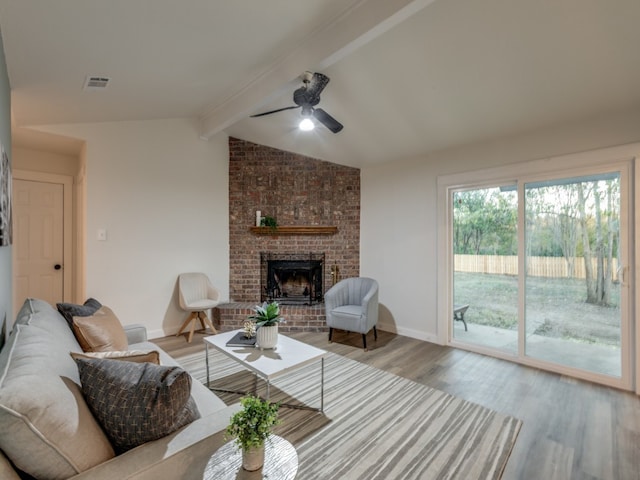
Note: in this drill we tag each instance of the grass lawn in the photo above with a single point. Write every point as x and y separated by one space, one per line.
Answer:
556 307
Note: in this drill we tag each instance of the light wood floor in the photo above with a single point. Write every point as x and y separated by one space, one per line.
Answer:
571 429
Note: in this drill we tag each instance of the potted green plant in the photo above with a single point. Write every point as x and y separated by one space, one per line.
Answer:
268 221
250 427
267 318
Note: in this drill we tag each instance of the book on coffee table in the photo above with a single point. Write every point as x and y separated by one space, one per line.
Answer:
239 340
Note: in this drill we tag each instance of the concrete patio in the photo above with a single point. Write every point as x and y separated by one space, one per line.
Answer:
592 357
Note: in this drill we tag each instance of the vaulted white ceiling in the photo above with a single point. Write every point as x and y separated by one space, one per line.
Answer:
407 77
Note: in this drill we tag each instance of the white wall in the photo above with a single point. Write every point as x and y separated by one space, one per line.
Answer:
399 227
162 195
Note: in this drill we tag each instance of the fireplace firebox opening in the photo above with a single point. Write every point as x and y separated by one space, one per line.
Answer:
292 278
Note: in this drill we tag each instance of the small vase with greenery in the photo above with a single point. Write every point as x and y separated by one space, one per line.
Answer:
269 222
250 427
267 318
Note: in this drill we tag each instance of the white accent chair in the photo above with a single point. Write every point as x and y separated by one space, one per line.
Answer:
352 305
196 296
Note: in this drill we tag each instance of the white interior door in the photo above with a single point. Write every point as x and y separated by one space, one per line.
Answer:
38 251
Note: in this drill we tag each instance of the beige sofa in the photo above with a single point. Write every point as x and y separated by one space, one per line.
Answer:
47 430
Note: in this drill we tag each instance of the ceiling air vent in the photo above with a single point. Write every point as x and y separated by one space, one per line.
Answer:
95 83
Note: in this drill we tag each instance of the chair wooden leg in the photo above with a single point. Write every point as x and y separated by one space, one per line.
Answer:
375 333
364 341
193 327
201 317
191 317
330 333
206 321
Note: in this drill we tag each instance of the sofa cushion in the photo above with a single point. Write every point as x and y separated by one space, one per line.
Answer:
138 356
40 314
47 428
136 402
70 310
100 332
348 311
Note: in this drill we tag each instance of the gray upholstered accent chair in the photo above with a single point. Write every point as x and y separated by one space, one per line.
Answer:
352 305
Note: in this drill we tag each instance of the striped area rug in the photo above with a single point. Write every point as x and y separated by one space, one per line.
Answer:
375 425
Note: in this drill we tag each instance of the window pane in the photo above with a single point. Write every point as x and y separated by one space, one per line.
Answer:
485 248
572 305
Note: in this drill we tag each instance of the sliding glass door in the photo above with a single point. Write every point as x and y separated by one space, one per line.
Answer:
573 285
538 270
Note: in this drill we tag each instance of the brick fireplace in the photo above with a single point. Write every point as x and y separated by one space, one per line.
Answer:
298 192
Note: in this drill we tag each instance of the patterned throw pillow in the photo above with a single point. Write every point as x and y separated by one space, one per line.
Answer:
70 310
136 403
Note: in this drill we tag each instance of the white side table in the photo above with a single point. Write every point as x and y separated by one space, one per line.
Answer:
280 462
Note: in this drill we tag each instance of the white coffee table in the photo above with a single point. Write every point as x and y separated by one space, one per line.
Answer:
288 355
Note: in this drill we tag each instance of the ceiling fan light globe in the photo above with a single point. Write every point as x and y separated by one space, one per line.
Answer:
306 125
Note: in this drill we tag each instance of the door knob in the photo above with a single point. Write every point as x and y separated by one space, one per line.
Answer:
57 266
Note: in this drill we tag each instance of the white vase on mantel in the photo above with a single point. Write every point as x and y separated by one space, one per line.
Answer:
267 337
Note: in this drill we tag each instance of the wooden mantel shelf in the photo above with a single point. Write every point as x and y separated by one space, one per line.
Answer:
295 230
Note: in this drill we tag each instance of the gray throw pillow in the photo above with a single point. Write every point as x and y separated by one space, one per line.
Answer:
136 403
70 310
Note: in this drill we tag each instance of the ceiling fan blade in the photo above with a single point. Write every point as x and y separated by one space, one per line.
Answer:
317 84
327 120
273 111
310 94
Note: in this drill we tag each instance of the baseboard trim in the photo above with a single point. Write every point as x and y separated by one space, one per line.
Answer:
159 333
409 332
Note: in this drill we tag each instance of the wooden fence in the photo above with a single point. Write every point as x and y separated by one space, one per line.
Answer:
556 267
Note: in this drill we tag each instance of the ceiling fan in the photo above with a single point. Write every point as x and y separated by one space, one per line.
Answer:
307 97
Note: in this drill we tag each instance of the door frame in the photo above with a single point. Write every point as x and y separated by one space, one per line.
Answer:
67 227
508 173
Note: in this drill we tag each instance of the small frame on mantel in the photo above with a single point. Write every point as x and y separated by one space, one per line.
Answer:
295 230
